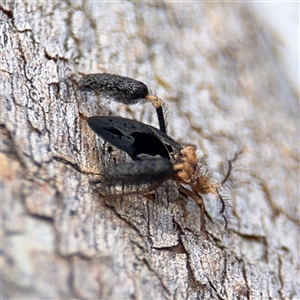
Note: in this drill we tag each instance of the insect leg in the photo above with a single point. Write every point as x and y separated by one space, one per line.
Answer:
198 200
158 105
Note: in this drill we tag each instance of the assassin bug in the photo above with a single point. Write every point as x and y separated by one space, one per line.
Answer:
156 156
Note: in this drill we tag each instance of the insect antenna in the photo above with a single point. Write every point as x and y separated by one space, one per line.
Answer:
222 202
205 186
225 209
228 174
225 206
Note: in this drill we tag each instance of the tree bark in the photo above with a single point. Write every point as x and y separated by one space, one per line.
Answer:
217 69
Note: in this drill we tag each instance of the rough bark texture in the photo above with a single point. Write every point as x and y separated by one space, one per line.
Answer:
217 69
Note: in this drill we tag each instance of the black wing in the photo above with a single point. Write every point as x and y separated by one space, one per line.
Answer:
133 137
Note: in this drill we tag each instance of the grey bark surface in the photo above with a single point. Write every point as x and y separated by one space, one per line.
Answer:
217 69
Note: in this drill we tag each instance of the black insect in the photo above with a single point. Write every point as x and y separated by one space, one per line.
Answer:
156 156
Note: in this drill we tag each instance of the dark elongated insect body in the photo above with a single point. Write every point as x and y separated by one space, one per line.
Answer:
156 156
